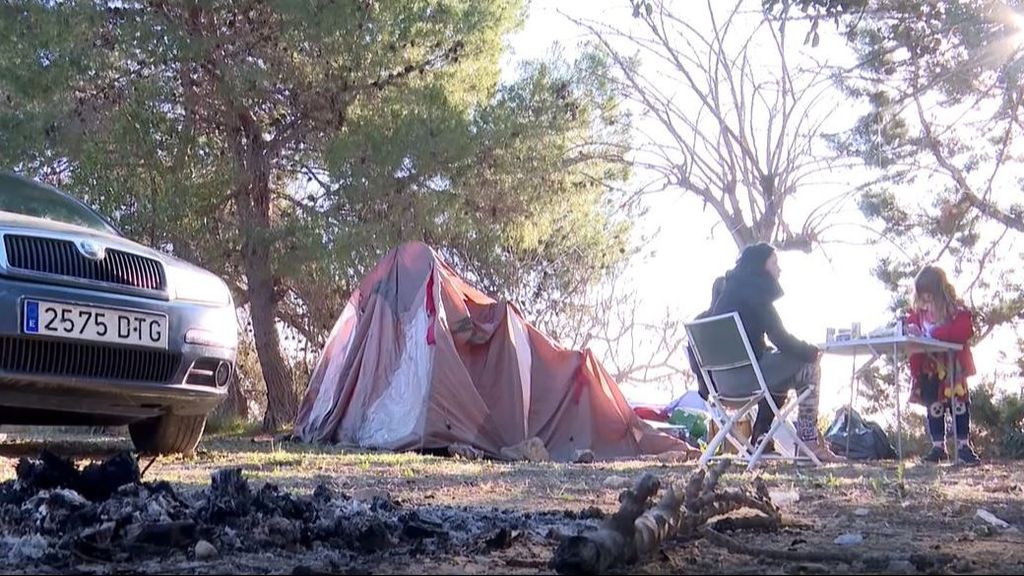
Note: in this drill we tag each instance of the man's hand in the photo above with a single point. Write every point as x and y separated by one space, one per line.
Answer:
914 330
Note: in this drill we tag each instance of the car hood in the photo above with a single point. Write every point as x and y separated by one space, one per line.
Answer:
11 222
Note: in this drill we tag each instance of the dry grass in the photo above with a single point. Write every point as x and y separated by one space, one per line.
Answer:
920 507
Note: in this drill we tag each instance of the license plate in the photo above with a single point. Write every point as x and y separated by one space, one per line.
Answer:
95 324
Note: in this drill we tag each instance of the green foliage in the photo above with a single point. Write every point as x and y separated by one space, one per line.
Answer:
322 134
882 205
997 422
916 441
515 194
819 8
226 425
997 425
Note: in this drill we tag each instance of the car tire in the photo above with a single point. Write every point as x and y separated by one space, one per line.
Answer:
168 434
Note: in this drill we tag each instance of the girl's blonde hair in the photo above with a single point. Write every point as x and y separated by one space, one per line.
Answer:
932 280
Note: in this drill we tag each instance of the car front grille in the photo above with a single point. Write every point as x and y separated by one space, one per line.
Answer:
72 359
62 258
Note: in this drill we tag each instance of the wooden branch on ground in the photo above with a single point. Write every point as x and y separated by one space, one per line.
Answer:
922 561
637 530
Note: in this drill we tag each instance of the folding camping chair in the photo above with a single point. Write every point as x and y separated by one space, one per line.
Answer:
720 345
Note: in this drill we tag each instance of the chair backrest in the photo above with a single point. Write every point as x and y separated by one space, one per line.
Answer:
720 342
720 345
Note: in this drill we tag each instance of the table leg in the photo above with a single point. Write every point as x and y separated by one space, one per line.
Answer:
849 409
952 407
899 407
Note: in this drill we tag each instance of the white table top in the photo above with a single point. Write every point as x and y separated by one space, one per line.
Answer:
884 344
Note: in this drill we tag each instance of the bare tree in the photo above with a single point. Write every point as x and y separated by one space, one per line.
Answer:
633 348
732 122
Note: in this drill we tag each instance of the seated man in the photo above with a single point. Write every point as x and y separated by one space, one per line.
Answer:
751 289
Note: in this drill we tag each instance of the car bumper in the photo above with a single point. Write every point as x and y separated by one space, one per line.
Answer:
41 373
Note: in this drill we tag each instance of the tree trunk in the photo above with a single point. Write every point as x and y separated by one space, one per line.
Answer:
282 400
253 203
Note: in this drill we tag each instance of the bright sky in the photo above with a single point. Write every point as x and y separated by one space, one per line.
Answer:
830 287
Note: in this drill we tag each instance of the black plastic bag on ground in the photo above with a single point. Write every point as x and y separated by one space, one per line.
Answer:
867 440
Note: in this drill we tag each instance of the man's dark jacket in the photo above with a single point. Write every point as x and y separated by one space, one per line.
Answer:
753 295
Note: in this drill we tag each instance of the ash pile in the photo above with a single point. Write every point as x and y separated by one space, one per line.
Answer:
55 515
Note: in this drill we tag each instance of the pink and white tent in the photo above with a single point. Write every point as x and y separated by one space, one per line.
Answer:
419 359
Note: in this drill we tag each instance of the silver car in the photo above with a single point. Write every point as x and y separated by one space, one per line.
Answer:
98 330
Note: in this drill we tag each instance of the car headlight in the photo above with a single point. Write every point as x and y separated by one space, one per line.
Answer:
197 286
216 327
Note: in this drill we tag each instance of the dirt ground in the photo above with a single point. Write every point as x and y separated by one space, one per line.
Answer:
481 517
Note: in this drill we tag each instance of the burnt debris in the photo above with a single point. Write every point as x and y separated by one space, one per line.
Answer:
56 515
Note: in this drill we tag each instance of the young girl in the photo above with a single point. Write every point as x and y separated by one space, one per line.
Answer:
938 313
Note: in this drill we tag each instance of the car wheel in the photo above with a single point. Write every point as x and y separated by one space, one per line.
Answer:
168 434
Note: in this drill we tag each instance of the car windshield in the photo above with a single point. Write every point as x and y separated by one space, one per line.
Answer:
30 199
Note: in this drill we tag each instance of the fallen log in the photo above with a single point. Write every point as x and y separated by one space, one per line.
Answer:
637 529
